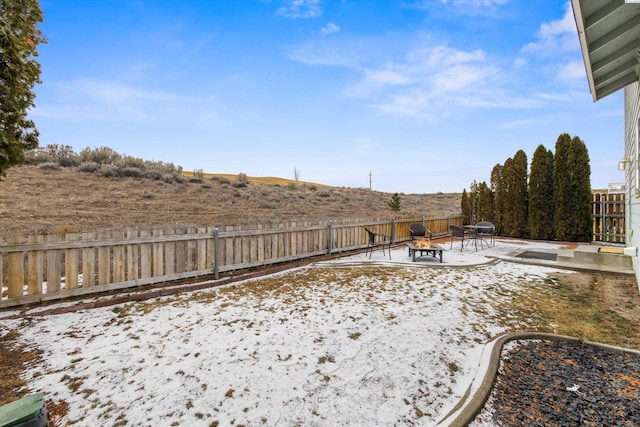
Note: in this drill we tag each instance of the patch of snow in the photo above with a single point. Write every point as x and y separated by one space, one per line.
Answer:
350 342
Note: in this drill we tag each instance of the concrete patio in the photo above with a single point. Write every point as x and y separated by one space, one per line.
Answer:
573 256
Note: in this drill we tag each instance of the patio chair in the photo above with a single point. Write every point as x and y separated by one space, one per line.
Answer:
377 239
459 233
419 230
486 231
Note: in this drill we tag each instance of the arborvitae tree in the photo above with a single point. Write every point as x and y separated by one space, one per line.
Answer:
477 204
562 189
465 207
541 195
19 73
484 206
514 178
507 185
473 203
580 220
497 197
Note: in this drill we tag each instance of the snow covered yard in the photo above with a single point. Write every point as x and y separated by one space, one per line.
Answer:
341 343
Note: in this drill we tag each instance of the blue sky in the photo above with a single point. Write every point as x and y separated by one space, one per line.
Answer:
425 96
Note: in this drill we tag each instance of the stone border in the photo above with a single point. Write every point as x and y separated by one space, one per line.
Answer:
475 398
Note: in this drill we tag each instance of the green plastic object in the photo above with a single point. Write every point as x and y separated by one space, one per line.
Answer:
21 411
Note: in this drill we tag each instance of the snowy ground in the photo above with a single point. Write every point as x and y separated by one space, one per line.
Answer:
346 343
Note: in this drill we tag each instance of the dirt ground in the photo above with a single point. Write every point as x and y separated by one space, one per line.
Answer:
39 201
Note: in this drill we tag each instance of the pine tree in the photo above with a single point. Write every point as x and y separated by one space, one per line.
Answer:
507 203
465 207
473 203
484 203
541 195
19 73
515 205
497 197
581 221
562 189
395 202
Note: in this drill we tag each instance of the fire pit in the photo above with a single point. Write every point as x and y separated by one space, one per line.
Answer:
425 247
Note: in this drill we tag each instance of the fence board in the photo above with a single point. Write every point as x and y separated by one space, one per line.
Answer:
88 267
191 256
169 256
119 263
2 270
104 262
229 250
71 263
15 270
244 250
54 265
146 257
210 249
35 268
132 256
158 255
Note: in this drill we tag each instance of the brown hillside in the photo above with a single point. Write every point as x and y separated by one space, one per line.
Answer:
38 200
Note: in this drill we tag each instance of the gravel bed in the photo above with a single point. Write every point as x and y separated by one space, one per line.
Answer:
555 383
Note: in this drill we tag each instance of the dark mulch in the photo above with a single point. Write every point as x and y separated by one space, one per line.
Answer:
552 383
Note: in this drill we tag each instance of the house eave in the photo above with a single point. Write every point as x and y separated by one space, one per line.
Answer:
609 35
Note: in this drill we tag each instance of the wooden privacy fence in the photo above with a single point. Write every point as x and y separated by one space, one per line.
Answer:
608 217
43 268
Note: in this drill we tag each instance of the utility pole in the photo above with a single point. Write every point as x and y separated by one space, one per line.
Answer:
370 175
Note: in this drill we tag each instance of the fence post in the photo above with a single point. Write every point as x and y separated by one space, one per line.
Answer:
393 228
448 223
330 242
423 220
216 266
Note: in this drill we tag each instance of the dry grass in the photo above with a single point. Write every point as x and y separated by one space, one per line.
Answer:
39 201
590 306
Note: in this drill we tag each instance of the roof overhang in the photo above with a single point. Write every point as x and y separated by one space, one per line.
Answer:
609 33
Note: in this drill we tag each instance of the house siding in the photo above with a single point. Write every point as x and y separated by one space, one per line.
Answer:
632 170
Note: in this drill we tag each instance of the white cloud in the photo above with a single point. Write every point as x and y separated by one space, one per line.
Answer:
460 7
554 59
365 147
113 91
461 78
517 124
437 79
107 100
474 3
519 62
430 83
387 77
555 36
572 71
330 28
328 51
446 56
300 9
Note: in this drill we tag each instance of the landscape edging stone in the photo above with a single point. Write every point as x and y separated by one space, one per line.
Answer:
471 404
